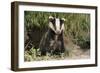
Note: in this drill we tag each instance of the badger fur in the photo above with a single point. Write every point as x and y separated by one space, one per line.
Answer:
52 41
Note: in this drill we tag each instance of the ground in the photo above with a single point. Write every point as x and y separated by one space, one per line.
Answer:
72 52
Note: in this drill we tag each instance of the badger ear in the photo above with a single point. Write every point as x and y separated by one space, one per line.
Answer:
63 19
51 17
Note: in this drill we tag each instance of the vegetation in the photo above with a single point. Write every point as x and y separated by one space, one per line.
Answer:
77 27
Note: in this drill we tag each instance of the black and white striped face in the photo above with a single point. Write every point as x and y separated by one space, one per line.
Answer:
56 24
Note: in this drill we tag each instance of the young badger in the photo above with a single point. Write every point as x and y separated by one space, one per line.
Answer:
52 41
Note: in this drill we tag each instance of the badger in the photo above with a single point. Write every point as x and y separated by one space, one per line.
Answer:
52 41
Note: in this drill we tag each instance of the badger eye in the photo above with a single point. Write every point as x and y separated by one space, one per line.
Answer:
52 21
61 21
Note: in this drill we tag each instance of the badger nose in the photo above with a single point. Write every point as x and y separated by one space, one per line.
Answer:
58 32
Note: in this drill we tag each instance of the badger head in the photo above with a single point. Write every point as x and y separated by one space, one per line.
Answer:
56 24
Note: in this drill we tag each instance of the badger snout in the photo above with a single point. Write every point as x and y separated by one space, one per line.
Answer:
58 32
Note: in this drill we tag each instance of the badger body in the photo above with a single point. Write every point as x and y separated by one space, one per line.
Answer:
52 41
